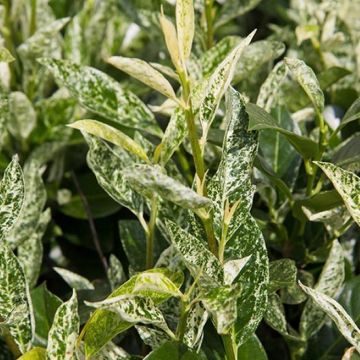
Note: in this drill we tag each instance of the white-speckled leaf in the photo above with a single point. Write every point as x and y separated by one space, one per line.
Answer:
218 83
347 185
306 78
107 164
34 201
112 135
64 331
74 280
195 323
151 336
232 184
12 191
329 283
101 94
196 255
175 134
115 272
145 73
233 268
113 352
15 303
337 313
148 179
30 252
282 273
185 25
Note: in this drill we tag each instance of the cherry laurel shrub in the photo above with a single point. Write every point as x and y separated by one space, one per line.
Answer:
242 194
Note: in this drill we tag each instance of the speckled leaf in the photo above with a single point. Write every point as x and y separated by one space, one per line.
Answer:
107 163
112 135
252 349
306 78
260 119
36 353
220 302
347 185
337 313
112 352
30 252
196 255
174 351
233 268
195 323
282 273
145 73
101 94
134 309
75 281
15 303
232 184
147 179
64 331
115 272
174 135
22 115
5 55
11 196
185 25
34 201
151 336
103 325
329 283
218 83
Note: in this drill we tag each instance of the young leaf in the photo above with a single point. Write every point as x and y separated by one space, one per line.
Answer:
11 196
233 268
175 134
36 353
101 94
147 180
329 283
306 78
260 119
196 256
64 331
347 185
112 135
115 273
30 252
337 313
218 83
145 73
15 305
75 281
185 24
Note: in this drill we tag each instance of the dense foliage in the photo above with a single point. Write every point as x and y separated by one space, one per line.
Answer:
209 206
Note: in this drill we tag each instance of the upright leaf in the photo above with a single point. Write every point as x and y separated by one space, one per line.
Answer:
185 24
347 185
115 272
64 331
15 303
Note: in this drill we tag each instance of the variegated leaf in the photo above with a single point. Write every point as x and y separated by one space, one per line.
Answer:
64 331
347 185
198 259
306 78
218 83
112 352
195 323
151 336
103 325
115 273
75 281
185 25
337 313
175 134
233 268
147 180
174 350
12 191
34 201
37 353
30 252
101 94
231 187
134 309
112 135
329 283
145 73
107 164
282 273
15 303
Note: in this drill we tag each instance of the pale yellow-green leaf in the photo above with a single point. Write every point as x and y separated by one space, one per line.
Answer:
110 134
145 73
185 23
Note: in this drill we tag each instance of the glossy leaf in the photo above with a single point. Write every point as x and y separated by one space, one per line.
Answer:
75 281
36 353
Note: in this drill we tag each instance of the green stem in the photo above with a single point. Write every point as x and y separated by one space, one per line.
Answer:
223 242
32 28
209 23
181 328
230 348
151 233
